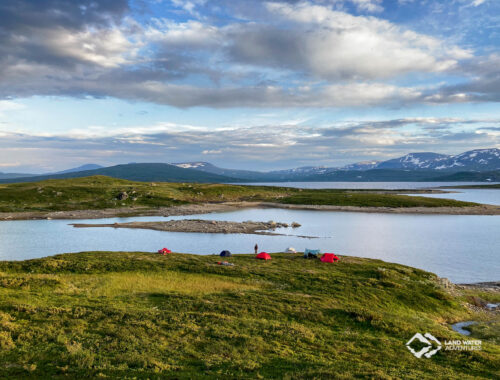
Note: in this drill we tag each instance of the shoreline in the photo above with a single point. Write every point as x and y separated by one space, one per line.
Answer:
206 208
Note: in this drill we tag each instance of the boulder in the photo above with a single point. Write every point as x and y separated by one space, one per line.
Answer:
122 196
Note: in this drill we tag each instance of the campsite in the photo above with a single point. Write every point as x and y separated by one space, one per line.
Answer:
235 189
146 315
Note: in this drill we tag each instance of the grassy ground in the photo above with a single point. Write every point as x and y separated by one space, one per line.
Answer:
142 315
99 192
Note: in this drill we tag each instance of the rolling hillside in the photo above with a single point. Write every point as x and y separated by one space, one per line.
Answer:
137 172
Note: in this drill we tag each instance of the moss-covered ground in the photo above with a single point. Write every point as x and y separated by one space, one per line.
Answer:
98 192
141 315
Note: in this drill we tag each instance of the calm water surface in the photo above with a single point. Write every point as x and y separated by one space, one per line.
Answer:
486 196
462 248
367 185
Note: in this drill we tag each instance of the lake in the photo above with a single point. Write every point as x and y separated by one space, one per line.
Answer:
464 248
367 185
486 196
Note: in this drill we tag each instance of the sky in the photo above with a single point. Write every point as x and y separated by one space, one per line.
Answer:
245 84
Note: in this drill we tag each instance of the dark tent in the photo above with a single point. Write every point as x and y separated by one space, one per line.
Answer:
225 253
311 253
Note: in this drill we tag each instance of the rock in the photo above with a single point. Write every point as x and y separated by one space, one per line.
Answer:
477 301
122 196
445 283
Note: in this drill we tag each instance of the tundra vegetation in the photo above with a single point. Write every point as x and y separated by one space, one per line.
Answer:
144 315
98 192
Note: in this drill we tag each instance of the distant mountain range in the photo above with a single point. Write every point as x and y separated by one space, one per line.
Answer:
474 165
136 172
411 167
14 175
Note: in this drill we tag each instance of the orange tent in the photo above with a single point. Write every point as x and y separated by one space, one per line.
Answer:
263 256
329 258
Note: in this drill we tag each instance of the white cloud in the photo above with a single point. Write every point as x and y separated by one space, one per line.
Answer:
9 105
477 3
336 45
368 5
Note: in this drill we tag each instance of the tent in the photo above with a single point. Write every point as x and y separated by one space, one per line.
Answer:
225 253
263 256
164 251
311 253
291 250
329 258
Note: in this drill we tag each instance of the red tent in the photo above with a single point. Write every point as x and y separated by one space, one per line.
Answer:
164 251
263 256
329 258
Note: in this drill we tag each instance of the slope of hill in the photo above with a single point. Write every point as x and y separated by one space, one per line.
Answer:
139 315
490 176
80 168
137 172
14 175
234 173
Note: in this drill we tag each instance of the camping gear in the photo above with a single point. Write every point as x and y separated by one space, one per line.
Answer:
291 250
263 256
164 251
329 258
225 263
311 253
225 253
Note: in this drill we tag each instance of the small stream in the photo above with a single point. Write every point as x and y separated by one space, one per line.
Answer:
459 327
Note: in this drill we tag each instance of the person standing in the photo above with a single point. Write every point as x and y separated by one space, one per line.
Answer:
256 248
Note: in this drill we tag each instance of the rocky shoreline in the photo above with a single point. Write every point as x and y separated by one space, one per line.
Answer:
202 226
205 208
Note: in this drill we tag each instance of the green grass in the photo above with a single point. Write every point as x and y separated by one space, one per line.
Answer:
142 315
100 192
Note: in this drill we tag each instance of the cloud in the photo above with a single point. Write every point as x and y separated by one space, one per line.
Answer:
482 85
260 147
9 105
293 54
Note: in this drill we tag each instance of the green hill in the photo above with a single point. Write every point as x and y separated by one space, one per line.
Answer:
137 172
145 316
99 192
493 176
